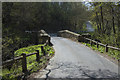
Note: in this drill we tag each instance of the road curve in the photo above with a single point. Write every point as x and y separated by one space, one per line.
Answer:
75 60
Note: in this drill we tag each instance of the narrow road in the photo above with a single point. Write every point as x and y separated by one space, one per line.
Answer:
75 60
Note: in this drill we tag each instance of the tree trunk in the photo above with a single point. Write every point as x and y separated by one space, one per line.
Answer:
97 22
119 24
107 28
118 19
102 19
113 23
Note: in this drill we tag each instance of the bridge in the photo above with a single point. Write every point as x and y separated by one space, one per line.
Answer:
75 60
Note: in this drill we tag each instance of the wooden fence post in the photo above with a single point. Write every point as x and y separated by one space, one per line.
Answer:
91 42
97 44
106 48
24 63
37 56
49 41
42 50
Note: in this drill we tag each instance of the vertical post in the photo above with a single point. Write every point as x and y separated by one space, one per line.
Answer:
106 48
24 63
91 42
42 49
48 40
97 44
37 56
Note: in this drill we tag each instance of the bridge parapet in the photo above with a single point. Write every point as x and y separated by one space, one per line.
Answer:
73 36
84 38
43 37
68 34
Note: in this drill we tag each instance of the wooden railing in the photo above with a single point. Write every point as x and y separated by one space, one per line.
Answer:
84 38
101 44
24 56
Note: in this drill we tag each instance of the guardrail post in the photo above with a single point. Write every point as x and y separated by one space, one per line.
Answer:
106 48
97 44
42 50
24 63
37 56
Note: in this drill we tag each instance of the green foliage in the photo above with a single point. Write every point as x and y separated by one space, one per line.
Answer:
48 16
105 19
113 53
52 17
32 65
84 27
49 50
27 50
12 73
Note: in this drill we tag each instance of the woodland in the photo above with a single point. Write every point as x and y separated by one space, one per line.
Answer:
17 18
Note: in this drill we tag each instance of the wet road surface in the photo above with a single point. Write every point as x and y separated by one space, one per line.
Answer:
75 60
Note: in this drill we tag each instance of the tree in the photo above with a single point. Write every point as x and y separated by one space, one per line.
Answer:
52 17
105 16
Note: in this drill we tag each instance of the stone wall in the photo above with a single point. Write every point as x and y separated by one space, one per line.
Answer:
43 37
68 34
73 36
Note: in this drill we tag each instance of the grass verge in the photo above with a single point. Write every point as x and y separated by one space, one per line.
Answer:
14 71
113 53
